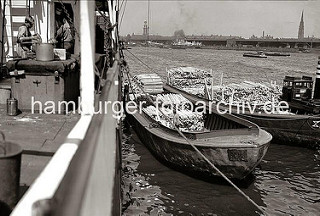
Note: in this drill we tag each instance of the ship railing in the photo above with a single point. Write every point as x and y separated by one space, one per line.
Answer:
83 176
91 185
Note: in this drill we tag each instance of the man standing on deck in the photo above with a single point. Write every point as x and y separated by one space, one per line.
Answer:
24 37
64 35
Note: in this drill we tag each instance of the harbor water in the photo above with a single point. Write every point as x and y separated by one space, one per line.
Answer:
287 182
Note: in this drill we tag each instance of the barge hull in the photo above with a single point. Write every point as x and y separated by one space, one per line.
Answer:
182 156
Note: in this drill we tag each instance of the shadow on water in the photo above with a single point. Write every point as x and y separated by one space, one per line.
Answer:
140 197
206 177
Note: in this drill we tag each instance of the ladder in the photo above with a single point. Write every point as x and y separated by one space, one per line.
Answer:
15 13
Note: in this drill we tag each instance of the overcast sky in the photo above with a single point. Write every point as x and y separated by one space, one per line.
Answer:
241 18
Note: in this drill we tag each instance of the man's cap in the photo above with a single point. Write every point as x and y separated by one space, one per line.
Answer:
29 19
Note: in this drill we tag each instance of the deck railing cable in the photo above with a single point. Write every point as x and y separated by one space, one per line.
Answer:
2 32
124 9
136 57
197 150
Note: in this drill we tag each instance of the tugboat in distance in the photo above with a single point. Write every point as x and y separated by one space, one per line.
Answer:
276 54
259 54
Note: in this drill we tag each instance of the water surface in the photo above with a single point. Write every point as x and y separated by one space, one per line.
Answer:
287 182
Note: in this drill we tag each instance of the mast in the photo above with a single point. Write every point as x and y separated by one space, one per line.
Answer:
148 24
2 35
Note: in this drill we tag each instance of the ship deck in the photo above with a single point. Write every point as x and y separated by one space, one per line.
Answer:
40 135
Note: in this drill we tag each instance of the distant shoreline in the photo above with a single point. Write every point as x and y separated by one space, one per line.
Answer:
267 49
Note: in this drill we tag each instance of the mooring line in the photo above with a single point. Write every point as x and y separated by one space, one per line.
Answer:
141 61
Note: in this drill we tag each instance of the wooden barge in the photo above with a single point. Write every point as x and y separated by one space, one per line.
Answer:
234 145
300 130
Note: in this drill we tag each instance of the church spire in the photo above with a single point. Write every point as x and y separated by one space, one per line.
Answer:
301 28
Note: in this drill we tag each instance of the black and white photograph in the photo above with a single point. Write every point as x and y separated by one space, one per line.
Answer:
158 107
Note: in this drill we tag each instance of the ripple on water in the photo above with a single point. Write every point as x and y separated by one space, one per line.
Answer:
139 196
292 187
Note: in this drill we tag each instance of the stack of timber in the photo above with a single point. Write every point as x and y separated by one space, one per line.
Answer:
150 83
188 79
189 121
286 128
176 100
246 92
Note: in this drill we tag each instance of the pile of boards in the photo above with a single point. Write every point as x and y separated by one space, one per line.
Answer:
188 73
198 82
188 120
247 92
173 101
149 83
188 79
